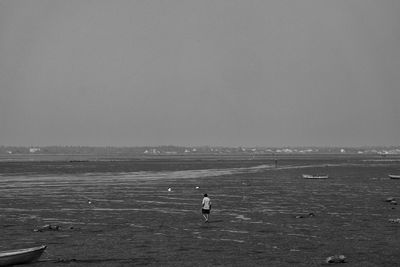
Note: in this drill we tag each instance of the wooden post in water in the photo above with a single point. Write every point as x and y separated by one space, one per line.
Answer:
275 160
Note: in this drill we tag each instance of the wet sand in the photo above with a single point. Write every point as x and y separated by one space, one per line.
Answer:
125 217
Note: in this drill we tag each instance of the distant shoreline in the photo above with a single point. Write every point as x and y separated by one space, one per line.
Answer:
181 151
76 158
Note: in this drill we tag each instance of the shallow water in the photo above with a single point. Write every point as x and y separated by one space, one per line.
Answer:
124 215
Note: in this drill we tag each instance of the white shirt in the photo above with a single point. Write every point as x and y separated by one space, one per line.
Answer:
206 203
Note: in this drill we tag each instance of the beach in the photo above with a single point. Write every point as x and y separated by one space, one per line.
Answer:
119 212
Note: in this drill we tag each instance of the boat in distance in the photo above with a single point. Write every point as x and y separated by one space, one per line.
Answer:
309 176
394 176
20 256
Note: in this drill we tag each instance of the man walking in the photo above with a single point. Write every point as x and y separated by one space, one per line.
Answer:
206 207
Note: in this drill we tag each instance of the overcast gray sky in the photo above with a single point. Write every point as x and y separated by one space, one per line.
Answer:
222 72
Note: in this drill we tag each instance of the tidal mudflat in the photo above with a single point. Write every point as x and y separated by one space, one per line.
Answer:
121 213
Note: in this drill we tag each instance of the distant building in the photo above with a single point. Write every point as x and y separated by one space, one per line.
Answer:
152 151
34 149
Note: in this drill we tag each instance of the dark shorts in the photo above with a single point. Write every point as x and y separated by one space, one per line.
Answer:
204 211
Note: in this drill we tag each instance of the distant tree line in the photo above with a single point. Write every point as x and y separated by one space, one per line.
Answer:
91 150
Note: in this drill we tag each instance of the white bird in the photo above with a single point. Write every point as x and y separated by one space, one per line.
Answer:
197 187
169 189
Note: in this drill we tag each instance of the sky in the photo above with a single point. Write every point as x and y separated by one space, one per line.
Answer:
192 73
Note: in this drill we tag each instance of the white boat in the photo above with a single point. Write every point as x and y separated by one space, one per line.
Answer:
308 176
394 176
20 256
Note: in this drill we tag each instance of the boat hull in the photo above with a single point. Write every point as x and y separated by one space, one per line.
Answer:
20 256
393 176
307 176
